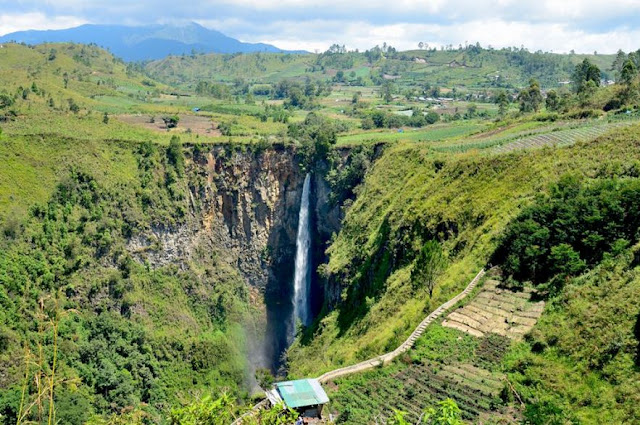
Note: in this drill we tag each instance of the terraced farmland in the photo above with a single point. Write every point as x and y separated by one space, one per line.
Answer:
446 363
496 310
559 138
459 359
416 388
556 135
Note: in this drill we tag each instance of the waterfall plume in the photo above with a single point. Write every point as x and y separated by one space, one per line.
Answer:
302 276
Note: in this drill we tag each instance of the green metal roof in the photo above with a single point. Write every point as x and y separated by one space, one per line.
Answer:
301 393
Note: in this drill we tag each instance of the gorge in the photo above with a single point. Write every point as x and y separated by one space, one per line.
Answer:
272 220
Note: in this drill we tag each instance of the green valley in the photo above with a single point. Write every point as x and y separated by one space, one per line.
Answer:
176 235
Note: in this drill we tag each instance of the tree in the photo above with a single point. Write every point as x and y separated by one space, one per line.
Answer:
387 94
503 103
5 101
583 73
627 76
316 135
204 411
264 377
628 72
431 117
565 261
175 156
429 264
586 92
530 98
618 61
73 106
171 121
553 101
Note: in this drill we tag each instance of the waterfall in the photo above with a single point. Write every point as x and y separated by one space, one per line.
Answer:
302 277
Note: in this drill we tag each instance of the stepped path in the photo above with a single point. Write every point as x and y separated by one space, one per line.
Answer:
405 346
388 357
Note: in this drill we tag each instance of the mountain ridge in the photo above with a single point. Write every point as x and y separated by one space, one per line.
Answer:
145 42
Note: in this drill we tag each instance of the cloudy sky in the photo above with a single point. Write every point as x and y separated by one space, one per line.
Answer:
551 25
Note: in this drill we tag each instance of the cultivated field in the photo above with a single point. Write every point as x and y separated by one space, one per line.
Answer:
557 134
419 387
198 124
497 310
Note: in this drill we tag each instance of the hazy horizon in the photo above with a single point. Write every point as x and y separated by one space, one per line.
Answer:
584 26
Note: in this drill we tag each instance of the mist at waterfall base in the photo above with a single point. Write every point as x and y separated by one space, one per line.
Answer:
294 296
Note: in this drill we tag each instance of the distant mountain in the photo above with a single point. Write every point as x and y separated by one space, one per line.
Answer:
146 42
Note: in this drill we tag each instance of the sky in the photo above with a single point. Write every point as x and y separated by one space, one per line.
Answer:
584 26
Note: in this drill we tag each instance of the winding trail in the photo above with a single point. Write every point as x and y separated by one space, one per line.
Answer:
408 343
384 358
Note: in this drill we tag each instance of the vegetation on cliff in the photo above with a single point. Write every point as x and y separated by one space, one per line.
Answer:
96 326
87 325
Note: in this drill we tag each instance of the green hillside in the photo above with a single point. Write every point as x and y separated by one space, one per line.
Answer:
67 274
465 202
78 312
534 181
471 68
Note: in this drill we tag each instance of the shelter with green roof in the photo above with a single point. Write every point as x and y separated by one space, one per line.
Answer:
303 395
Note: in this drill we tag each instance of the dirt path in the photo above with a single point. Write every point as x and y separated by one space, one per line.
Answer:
405 346
388 357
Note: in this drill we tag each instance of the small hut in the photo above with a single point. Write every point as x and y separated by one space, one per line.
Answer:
305 396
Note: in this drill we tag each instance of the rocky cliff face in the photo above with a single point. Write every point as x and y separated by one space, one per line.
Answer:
250 208
244 206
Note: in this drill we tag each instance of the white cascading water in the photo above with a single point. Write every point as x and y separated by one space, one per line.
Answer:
302 277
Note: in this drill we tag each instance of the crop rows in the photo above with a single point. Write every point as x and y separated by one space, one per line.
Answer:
491 350
558 138
496 311
555 136
416 388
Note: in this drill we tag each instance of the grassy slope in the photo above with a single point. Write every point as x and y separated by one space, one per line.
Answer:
130 335
90 71
268 67
464 200
33 166
579 364
186 71
581 361
178 338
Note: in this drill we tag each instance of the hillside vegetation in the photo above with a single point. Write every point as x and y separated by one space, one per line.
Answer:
471 67
79 313
412 195
495 169
573 237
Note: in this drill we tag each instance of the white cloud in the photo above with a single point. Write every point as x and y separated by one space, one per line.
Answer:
36 20
320 34
582 25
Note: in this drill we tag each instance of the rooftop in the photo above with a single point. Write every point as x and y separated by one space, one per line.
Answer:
300 393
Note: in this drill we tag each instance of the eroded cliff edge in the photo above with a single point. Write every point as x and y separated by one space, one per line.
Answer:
243 210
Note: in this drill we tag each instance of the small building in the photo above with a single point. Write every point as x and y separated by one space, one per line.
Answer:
305 396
